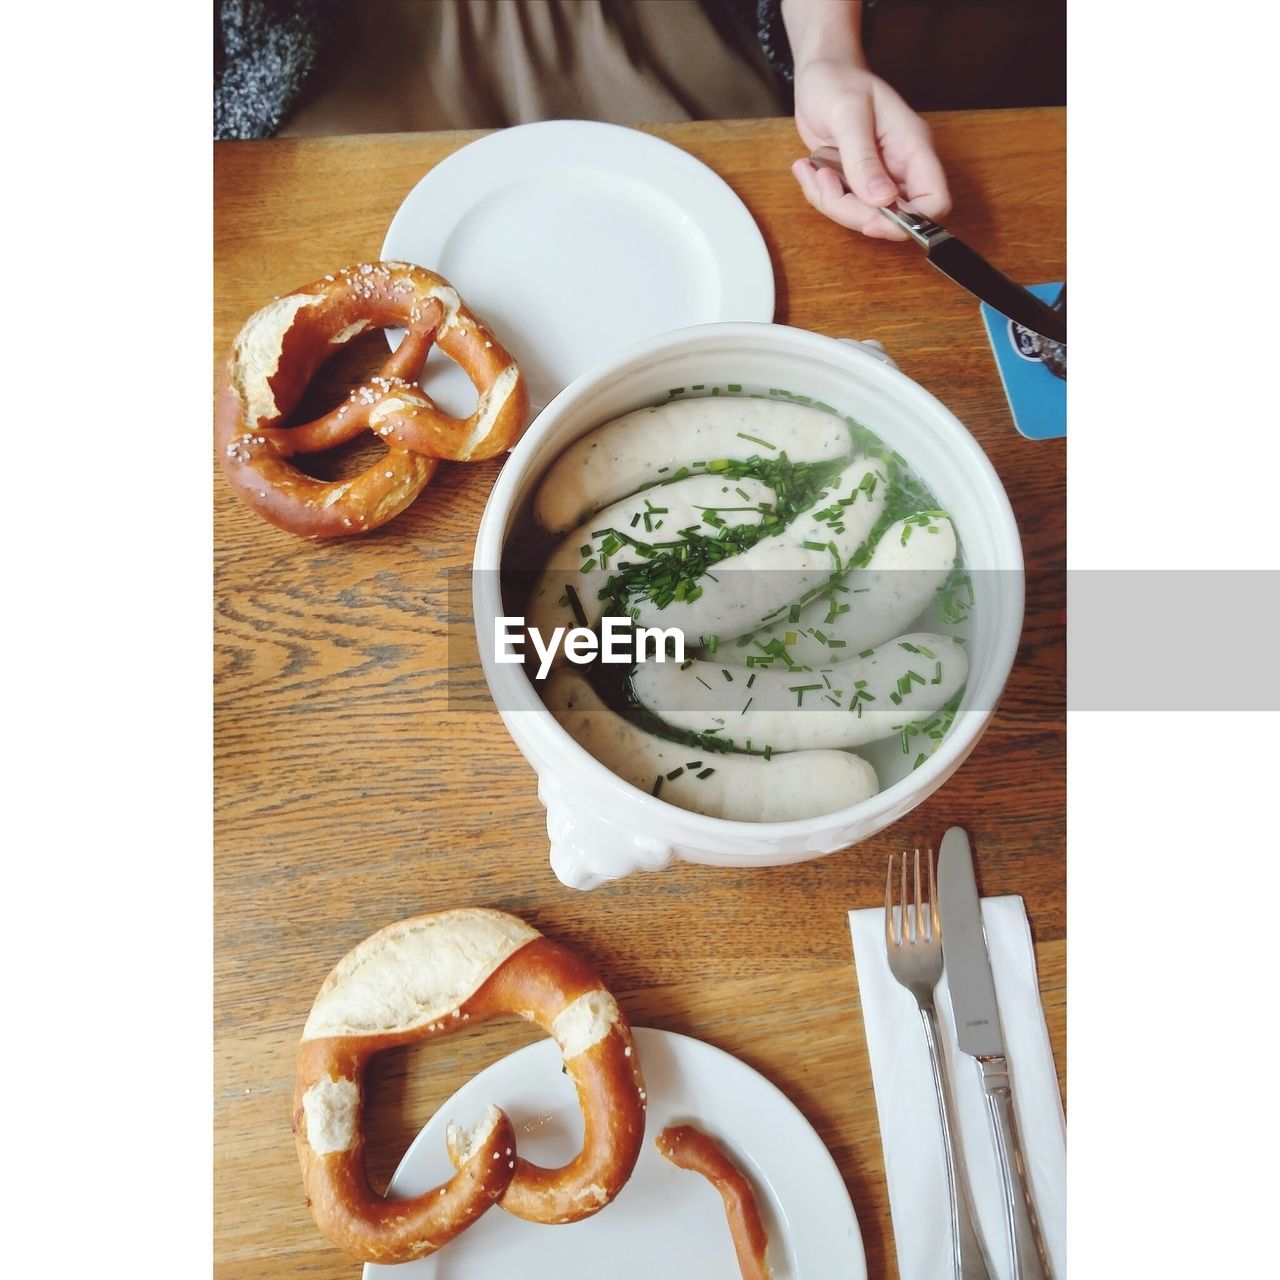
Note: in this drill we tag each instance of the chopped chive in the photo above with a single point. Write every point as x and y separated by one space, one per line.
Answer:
706 773
724 671
800 690
576 605
757 440
675 773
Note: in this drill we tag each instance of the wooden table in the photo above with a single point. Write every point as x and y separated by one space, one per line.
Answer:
348 794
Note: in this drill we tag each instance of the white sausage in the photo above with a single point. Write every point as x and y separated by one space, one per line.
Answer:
879 600
742 788
800 710
743 590
670 507
644 447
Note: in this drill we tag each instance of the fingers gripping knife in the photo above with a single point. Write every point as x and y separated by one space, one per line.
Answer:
967 268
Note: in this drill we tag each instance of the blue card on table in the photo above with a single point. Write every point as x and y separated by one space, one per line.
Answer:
1037 396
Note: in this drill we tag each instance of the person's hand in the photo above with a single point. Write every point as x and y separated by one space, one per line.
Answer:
884 146
885 149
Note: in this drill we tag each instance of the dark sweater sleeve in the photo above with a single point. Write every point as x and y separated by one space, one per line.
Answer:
772 34
773 37
264 51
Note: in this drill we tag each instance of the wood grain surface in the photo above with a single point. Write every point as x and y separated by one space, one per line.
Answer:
349 793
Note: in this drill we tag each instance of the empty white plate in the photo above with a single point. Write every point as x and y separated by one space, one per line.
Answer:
573 240
665 1221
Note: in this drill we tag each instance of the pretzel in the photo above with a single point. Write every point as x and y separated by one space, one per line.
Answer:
427 976
280 348
690 1148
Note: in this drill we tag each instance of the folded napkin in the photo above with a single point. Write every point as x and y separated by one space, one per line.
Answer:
909 1125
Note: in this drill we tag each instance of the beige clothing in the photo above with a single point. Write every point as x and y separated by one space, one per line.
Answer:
405 65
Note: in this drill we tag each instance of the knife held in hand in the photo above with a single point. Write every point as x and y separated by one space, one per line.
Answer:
968 269
973 1001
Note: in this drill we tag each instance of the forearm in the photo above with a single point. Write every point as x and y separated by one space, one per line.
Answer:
824 29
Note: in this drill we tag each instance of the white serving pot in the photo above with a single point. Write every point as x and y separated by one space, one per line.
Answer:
601 827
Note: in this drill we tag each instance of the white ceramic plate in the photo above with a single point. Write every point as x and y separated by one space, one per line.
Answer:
575 239
665 1221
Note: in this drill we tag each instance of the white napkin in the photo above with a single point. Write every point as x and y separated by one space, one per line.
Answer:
908 1113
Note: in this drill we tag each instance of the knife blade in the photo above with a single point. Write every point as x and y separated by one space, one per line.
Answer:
969 269
968 967
973 1001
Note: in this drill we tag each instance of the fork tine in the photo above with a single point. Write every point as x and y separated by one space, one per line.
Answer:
920 933
888 905
922 928
906 933
935 923
889 939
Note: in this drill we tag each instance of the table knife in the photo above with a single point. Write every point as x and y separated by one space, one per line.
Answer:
967 268
973 1001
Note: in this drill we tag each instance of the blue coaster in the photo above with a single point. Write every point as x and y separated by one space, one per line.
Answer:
1037 397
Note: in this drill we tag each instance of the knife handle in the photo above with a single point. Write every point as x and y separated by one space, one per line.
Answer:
968 1255
1030 1257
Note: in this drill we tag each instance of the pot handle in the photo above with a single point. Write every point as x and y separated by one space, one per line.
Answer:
587 850
872 347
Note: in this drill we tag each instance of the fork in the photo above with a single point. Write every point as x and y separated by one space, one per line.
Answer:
913 940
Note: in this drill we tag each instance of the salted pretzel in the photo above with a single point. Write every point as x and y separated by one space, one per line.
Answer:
691 1149
427 976
280 348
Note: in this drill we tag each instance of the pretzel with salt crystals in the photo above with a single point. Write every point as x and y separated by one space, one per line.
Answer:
280 348
690 1148
427 976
